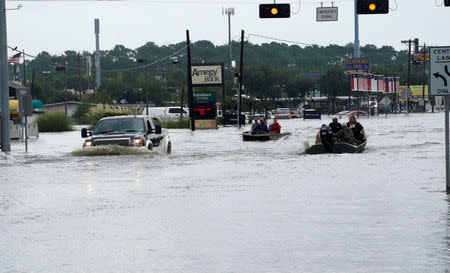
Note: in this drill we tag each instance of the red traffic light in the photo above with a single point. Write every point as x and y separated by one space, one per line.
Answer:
372 6
274 10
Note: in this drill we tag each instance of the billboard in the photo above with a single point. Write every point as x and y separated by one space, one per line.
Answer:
417 91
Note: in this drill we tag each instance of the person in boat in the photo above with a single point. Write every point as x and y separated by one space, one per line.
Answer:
324 133
326 138
275 127
358 130
263 127
345 135
255 126
335 125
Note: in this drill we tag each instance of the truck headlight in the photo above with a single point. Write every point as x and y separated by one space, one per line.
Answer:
88 144
137 142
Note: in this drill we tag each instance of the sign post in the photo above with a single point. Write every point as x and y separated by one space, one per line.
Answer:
204 103
439 86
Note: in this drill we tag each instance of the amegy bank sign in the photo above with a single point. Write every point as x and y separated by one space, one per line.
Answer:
207 74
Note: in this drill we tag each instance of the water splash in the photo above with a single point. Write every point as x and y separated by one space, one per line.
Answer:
109 150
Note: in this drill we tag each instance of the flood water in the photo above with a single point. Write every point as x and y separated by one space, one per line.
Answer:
218 204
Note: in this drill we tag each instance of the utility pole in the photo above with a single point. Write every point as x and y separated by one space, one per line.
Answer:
356 52
24 71
79 74
409 75
65 89
144 61
88 71
97 54
94 72
4 89
33 89
189 82
241 69
424 76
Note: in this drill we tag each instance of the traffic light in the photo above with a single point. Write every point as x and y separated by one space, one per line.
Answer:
416 45
447 3
372 6
274 10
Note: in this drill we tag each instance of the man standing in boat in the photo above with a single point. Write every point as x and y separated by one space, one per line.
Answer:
358 130
275 127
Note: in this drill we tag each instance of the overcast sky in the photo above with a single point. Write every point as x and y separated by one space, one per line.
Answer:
56 26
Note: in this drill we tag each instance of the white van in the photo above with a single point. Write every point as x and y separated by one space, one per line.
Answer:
166 113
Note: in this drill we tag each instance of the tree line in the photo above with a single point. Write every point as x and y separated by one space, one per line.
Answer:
271 70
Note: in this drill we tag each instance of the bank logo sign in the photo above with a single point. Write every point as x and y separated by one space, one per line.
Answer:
207 74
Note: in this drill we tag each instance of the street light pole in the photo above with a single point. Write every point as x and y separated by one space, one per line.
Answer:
356 52
228 12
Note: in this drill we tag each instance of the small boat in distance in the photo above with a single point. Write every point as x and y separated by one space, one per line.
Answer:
336 148
248 136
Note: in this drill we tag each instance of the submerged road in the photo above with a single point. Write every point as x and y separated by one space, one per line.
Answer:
218 204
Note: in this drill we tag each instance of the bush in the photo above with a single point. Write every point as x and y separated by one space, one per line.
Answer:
80 115
54 122
175 124
101 111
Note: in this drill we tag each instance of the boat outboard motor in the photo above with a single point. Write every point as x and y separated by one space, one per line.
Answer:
326 137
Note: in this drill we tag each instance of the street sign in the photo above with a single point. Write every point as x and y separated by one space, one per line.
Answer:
325 14
440 71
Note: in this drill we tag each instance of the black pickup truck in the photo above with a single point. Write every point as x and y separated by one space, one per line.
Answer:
132 131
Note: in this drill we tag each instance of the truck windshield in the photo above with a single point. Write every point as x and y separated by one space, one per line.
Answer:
119 126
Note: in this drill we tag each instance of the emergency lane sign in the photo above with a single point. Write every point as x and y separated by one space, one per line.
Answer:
440 71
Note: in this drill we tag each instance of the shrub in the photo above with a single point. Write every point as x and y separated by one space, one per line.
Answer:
54 122
80 115
182 123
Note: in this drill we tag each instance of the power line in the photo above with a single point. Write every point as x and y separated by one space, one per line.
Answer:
106 70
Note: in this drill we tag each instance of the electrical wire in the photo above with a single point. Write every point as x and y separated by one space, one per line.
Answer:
299 7
396 6
177 2
306 44
438 5
107 70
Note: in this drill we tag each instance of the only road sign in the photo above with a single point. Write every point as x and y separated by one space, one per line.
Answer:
440 70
